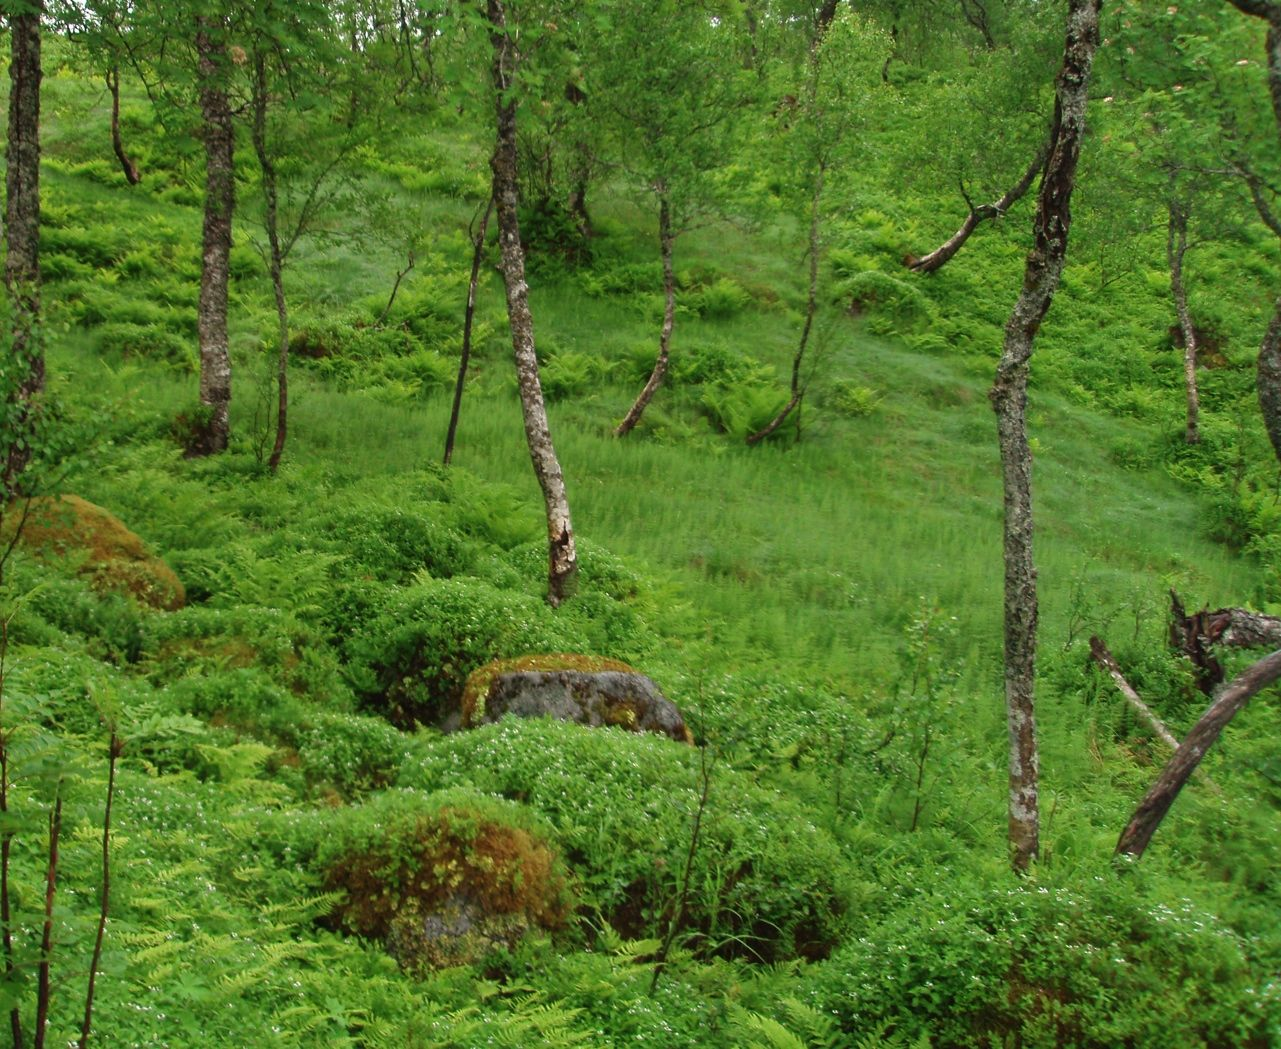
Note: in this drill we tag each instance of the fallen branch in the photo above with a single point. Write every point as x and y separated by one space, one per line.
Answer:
1152 809
1193 635
1105 659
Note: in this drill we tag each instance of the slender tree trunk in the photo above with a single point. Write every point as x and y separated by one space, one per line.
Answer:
44 985
1009 399
975 12
469 315
666 243
811 308
562 569
1269 379
824 19
943 254
1152 809
220 200
129 168
276 257
1176 246
24 383
1269 368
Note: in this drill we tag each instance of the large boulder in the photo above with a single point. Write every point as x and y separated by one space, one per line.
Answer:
112 557
583 689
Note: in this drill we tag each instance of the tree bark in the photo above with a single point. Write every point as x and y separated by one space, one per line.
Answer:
943 254
22 244
666 243
1195 635
562 570
129 168
469 314
1152 809
811 308
1269 367
220 199
1009 399
1176 246
275 259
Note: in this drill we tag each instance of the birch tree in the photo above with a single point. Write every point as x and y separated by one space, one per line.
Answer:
1008 395
562 557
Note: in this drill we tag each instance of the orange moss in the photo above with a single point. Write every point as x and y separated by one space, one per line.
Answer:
503 869
478 681
112 557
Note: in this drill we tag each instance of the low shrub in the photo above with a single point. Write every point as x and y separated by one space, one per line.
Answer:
1098 964
764 882
412 661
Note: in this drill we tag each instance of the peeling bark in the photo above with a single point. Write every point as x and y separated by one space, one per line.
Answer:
562 555
1156 803
220 199
22 241
127 165
943 254
1009 399
666 242
1176 246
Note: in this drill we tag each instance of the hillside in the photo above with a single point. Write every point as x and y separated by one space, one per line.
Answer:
827 866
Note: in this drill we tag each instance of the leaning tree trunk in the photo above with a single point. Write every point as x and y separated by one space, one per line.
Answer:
1176 246
1009 398
213 431
943 254
469 316
811 308
276 260
127 165
666 241
562 569
22 245
1152 809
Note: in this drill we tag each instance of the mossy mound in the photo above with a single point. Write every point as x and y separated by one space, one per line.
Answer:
479 681
113 558
443 880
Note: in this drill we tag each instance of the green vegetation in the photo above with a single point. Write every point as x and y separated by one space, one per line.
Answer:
300 856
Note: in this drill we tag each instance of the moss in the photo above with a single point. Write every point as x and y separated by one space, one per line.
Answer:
448 886
113 558
478 682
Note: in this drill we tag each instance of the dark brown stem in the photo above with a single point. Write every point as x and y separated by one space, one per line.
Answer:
941 255
1152 809
129 168
275 258
104 897
682 900
44 989
469 314
395 288
811 308
666 242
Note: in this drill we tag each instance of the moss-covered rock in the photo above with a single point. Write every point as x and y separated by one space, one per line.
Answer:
442 879
588 690
114 559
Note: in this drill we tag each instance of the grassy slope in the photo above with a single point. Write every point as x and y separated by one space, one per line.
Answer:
784 570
